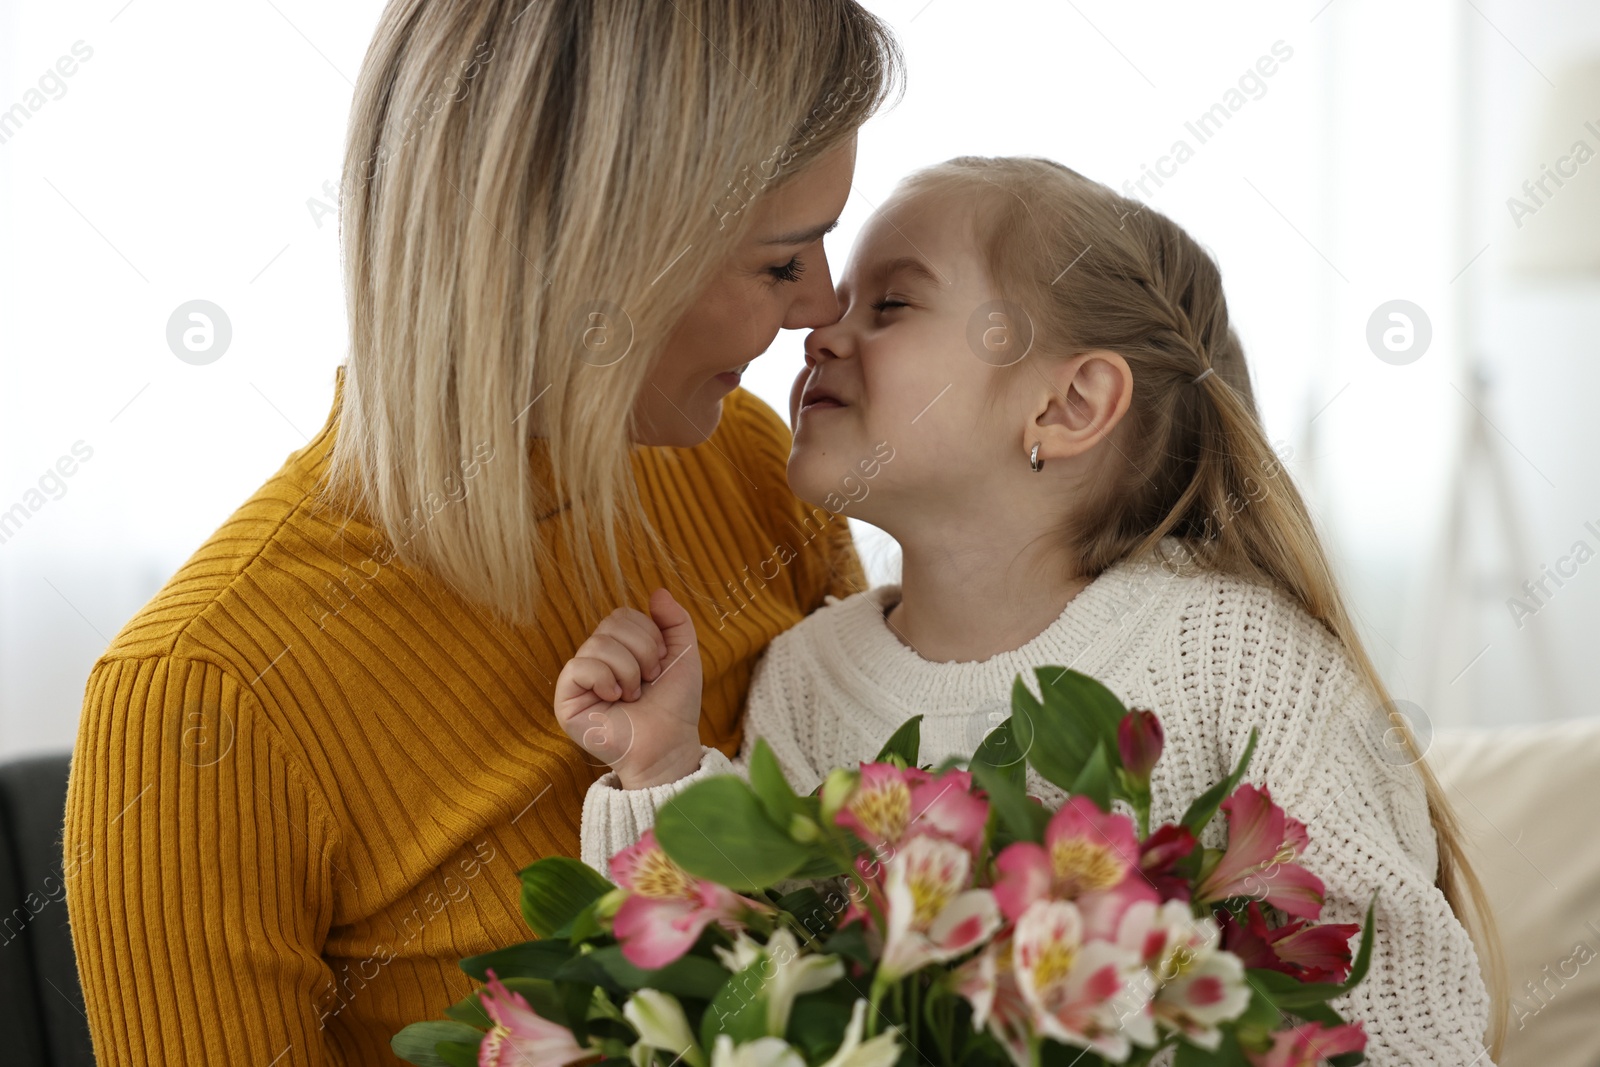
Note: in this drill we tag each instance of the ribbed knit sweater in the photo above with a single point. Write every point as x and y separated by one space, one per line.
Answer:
305 782
1213 655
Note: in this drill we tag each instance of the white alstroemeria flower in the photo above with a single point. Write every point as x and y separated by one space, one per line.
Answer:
762 1052
793 974
881 1051
661 1023
784 970
745 951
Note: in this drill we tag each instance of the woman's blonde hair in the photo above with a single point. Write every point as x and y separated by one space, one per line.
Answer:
534 191
1084 268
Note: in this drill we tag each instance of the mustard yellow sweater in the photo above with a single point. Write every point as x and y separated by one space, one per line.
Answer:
304 783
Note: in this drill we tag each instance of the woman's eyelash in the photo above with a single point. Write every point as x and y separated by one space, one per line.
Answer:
790 271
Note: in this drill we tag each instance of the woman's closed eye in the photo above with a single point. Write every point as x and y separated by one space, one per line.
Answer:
788 272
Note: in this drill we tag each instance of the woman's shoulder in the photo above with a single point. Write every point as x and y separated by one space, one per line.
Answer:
752 437
744 413
266 536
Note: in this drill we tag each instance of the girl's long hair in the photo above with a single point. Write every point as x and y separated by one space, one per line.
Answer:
519 179
1095 270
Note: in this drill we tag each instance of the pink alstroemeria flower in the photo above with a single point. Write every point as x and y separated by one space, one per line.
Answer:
666 907
1158 858
989 982
1310 1044
1302 950
890 804
932 913
1199 986
1263 844
1086 853
1086 993
521 1037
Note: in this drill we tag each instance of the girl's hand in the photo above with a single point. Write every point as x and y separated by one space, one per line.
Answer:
631 694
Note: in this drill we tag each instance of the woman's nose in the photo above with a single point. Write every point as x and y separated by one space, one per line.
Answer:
815 303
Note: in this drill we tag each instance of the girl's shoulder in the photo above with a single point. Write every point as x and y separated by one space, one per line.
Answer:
838 617
1235 610
1239 640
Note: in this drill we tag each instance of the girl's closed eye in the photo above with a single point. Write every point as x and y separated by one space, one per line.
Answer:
889 302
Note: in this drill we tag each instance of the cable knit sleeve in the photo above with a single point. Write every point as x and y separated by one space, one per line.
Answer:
1320 754
615 818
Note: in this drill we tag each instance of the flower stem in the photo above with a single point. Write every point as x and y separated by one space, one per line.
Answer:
806 936
873 1012
914 1017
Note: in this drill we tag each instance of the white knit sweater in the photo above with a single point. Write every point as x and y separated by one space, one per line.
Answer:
1213 655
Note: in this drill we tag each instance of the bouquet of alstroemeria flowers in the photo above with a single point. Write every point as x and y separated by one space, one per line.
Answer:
904 914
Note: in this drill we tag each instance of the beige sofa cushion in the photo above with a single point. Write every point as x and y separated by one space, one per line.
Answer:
1529 800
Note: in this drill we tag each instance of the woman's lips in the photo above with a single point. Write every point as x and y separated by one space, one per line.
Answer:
731 377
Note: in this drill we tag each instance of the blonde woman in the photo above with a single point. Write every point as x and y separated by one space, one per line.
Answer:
309 769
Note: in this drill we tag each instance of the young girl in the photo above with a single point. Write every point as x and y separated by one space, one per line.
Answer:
1035 389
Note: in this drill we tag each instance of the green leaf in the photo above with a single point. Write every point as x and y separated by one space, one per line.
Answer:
1309 999
418 1042
469 1010
1005 748
777 796
542 995
811 911
851 943
818 867
1358 969
1022 818
1259 1019
817 1021
739 1009
1055 1054
1078 713
459 1053
1289 993
686 976
716 829
1094 781
531 959
584 926
906 743
1206 804
1227 1054
575 1000
555 890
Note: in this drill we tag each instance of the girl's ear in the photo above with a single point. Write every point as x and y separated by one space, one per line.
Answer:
1081 400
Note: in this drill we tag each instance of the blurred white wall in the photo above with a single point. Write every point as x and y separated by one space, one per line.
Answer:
185 157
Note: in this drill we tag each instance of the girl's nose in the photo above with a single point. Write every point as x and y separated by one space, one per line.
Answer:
826 342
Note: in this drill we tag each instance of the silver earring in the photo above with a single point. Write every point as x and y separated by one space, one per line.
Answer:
1033 459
